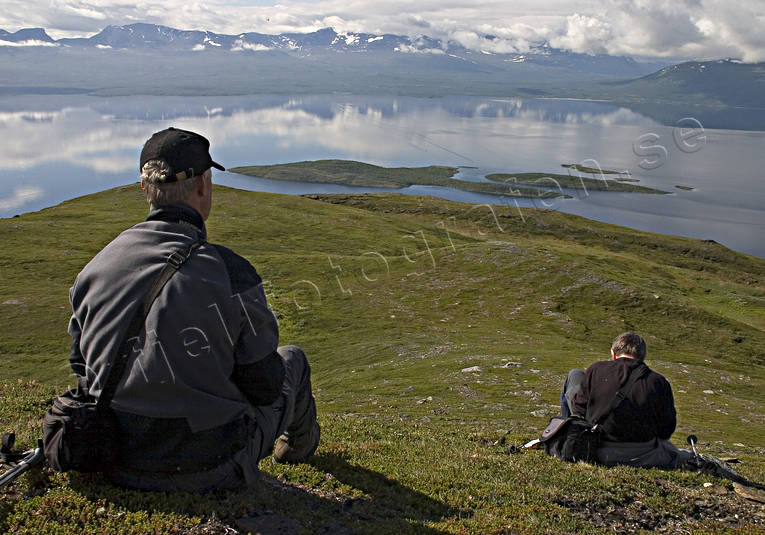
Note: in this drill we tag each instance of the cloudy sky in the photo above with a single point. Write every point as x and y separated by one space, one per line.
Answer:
701 29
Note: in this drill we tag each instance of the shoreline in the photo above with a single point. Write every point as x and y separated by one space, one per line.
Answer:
594 210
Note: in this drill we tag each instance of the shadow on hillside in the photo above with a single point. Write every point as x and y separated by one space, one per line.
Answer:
387 497
386 505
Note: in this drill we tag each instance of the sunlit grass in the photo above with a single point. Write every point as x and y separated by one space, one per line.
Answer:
393 297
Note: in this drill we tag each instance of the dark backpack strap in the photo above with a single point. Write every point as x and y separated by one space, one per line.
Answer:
117 365
636 373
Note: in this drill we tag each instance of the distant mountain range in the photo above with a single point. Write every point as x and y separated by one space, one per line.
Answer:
158 60
141 36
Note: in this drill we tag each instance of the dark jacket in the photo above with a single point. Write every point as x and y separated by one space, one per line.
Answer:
205 356
648 411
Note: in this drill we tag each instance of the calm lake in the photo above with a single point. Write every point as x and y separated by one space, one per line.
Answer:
58 147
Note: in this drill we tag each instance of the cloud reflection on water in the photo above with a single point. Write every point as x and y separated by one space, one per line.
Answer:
58 147
75 135
104 135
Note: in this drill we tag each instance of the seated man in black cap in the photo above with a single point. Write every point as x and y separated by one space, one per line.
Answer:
206 392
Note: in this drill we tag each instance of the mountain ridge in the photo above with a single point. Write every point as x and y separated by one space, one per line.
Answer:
713 79
719 94
147 36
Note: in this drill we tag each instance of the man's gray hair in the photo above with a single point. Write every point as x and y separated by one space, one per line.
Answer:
631 344
159 193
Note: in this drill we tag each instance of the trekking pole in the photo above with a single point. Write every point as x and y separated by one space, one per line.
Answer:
691 440
37 456
713 466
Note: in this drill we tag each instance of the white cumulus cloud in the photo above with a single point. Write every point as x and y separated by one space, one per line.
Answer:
704 29
240 45
29 42
584 34
21 196
409 49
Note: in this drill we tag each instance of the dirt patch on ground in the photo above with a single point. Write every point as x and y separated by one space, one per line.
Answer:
467 392
715 505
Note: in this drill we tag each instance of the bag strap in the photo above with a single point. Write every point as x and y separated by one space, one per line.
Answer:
115 368
636 373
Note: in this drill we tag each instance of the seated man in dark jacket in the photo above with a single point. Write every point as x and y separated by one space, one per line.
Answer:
206 392
637 431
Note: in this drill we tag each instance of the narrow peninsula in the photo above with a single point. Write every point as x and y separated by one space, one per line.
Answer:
352 173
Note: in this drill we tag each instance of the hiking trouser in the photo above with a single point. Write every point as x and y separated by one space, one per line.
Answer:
571 387
293 413
656 453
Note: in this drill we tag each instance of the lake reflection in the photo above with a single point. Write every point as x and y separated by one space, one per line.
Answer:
60 147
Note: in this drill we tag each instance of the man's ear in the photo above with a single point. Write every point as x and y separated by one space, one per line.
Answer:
201 188
613 354
143 185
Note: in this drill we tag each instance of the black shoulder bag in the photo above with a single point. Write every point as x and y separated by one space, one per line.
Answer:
575 439
81 432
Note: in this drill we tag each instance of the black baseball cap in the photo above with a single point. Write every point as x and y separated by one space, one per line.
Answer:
187 153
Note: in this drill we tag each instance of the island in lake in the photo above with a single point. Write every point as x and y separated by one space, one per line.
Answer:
351 173
552 180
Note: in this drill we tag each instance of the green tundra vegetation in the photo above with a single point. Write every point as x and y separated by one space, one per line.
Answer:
439 335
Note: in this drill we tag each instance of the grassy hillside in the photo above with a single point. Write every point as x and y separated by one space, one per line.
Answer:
439 335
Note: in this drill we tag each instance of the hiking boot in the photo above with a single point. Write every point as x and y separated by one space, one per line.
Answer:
291 450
